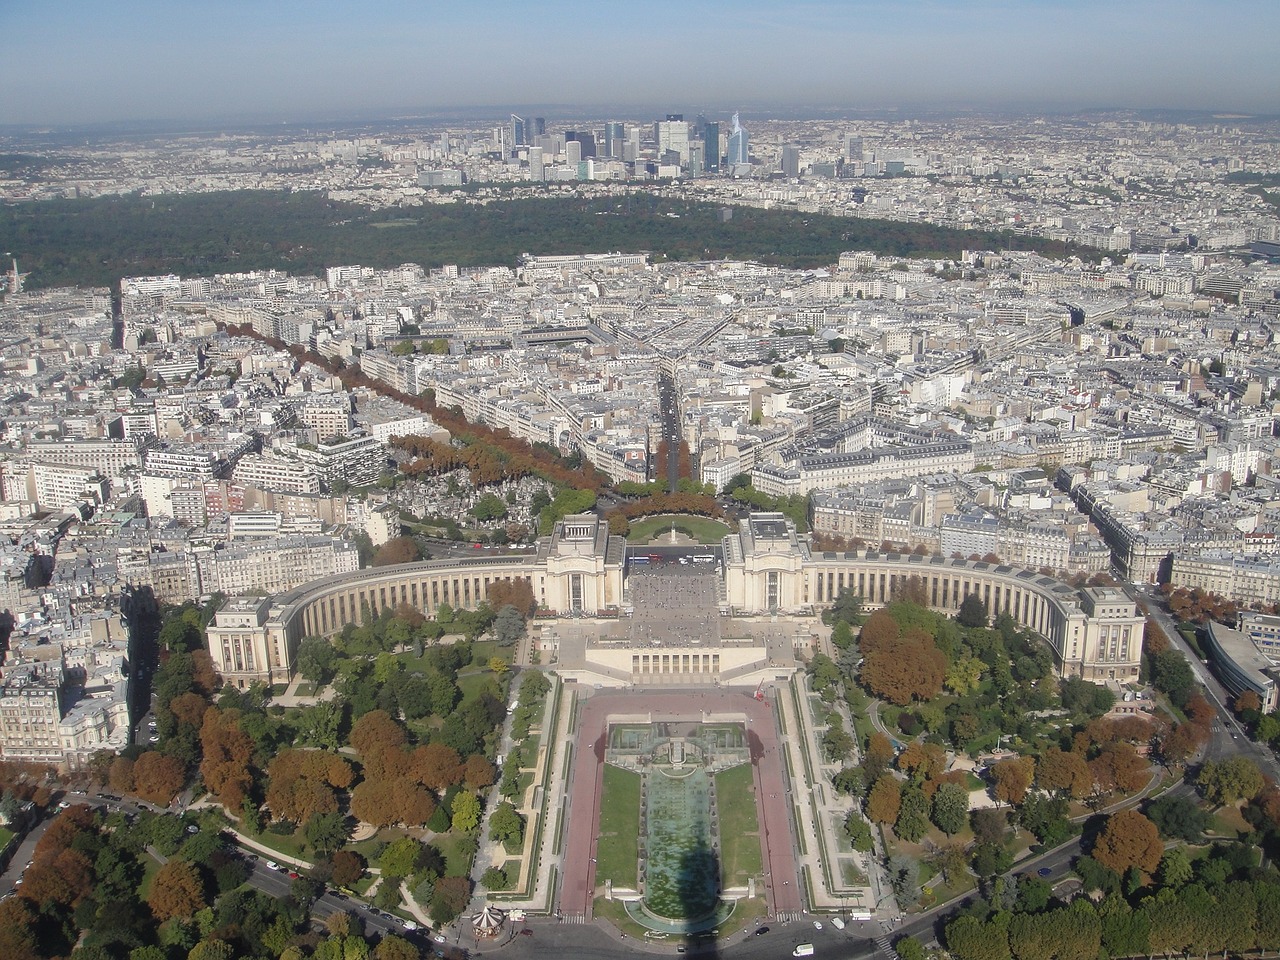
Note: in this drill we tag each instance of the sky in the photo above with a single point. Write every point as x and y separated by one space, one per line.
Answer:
86 61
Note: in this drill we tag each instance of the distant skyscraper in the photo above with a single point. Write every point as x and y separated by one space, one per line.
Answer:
519 133
572 151
739 149
588 141
613 139
539 126
852 148
673 135
536 172
790 161
711 147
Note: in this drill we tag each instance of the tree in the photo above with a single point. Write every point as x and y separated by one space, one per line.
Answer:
397 550
1175 868
157 777
858 831
1064 771
212 950
1171 675
950 808
972 612
991 859
228 751
1012 778
969 938
449 899
478 772
1128 840
506 825
326 831
508 626
176 891
401 857
466 812
392 947
348 867
316 659
906 668
884 800
375 731
989 825
913 814
1230 780
1178 818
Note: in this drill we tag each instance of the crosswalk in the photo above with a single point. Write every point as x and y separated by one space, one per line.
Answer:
787 917
886 947
573 918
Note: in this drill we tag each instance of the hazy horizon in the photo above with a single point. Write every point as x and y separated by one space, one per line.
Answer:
144 61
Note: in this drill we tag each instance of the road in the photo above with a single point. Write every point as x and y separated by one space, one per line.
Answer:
1228 736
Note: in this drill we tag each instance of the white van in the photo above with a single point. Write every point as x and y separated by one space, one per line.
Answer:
837 923
803 950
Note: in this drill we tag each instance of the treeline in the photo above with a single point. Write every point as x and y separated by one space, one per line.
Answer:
501 455
94 242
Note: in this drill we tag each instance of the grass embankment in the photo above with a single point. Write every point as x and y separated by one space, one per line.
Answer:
740 856
697 528
618 852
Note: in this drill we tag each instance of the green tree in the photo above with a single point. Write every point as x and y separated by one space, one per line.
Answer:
326 832
950 810
913 814
508 626
466 812
1175 868
858 831
972 612
506 825
1230 780
401 857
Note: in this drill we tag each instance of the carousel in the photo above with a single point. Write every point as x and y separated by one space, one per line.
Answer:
487 924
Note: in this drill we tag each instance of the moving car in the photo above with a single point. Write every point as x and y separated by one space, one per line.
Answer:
803 950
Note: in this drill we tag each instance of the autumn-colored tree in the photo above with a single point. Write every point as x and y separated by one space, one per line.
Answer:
478 772
1012 778
879 629
452 894
228 751
517 592
884 800
120 775
910 667
1199 710
157 777
1063 770
1183 742
1246 702
879 752
1129 840
189 708
373 801
392 947
376 730
1118 766
397 550
922 761
348 867
176 891
300 783
64 878
437 766
204 674
63 831
18 940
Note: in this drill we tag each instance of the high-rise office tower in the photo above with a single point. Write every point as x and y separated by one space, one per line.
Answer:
539 126
711 147
536 173
739 149
852 148
588 141
673 135
790 161
572 151
613 138
519 133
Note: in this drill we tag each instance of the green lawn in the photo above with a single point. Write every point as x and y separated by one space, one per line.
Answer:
5 837
150 867
457 864
699 528
618 853
291 846
740 856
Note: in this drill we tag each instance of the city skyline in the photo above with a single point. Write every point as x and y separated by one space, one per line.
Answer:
81 63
